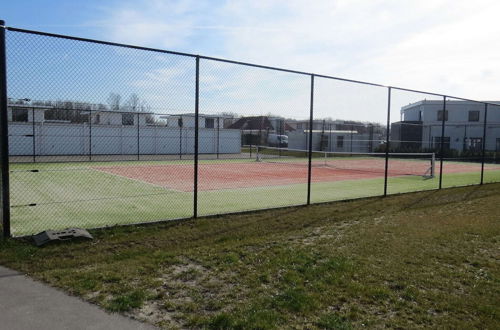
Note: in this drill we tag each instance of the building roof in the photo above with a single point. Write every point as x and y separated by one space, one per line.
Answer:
448 101
201 115
256 123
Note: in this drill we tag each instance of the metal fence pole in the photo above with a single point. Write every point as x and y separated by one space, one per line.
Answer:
4 135
443 119
483 155
138 137
196 129
351 136
387 139
180 137
90 135
218 136
33 133
311 114
330 139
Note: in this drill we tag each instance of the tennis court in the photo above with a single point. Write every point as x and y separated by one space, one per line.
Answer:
58 195
258 174
268 171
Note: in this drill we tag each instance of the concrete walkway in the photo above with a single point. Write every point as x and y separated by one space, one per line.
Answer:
27 304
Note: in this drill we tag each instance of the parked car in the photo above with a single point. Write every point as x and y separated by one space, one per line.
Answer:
275 140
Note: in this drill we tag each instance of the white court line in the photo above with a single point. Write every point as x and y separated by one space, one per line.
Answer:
139 180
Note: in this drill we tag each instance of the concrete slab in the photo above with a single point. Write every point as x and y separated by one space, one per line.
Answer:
27 304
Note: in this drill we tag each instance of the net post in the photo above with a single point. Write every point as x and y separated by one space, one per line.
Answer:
483 151
387 138
4 136
309 167
442 144
196 129
433 165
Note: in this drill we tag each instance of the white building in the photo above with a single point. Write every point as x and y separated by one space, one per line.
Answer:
337 135
48 131
336 140
187 120
421 126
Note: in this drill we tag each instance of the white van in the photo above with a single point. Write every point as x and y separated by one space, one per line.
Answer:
275 140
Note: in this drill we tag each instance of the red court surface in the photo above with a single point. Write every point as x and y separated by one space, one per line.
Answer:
256 174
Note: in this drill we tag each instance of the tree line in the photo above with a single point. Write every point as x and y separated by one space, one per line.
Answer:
79 112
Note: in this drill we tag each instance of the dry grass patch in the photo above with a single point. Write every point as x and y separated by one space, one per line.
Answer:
427 259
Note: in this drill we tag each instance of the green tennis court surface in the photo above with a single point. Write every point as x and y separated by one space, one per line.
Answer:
60 195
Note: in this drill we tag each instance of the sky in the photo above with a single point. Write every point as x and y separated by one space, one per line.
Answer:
441 46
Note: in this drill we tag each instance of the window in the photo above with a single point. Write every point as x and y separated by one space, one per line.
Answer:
340 141
179 122
498 144
299 126
127 119
474 144
446 142
474 115
440 115
20 115
97 119
420 115
209 122
66 115
150 119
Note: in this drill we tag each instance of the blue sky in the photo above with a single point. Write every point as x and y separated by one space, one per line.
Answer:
441 46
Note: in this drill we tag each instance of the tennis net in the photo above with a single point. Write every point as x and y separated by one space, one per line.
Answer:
419 164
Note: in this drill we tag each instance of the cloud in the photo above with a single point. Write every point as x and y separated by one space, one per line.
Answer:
442 46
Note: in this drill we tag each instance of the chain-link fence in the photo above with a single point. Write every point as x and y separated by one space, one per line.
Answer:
102 134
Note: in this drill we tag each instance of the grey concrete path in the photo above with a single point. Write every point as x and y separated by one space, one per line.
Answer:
27 304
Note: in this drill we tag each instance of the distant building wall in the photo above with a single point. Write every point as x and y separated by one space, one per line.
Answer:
74 139
338 141
464 121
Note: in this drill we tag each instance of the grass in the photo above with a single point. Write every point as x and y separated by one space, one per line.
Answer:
426 259
59 195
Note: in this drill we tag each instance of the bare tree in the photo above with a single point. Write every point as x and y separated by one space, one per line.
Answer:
114 101
133 103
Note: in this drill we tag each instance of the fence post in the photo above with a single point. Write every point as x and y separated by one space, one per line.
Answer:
350 143
138 137
218 136
443 119
33 133
180 124
196 129
90 135
387 138
4 136
483 156
309 169
330 139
